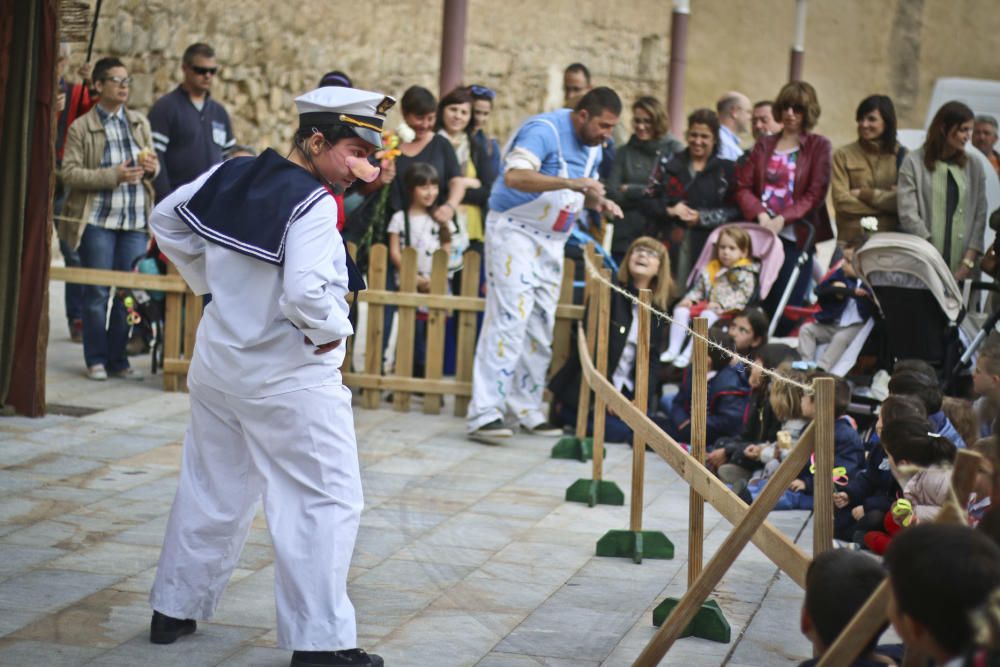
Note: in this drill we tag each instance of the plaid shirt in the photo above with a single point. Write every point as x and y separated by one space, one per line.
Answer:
125 206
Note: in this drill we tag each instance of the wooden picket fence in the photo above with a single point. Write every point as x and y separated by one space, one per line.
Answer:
182 312
439 305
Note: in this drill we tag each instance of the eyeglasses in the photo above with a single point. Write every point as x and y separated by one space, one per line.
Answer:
118 80
647 252
204 70
482 91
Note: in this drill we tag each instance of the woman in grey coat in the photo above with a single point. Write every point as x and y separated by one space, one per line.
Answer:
634 162
942 193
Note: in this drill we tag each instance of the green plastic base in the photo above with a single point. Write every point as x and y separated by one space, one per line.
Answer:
635 545
709 623
571 447
595 492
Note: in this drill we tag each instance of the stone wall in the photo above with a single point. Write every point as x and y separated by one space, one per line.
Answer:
272 51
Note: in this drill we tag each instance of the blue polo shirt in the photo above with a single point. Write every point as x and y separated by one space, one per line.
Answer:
539 138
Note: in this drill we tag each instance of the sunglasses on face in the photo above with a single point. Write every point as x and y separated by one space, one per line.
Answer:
482 91
203 71
118 80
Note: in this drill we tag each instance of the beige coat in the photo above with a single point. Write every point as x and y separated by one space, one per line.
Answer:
83 175
862 166
928 490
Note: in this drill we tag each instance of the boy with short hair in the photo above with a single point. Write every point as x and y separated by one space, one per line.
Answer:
845 305
728 393
940 574
914 382
838 583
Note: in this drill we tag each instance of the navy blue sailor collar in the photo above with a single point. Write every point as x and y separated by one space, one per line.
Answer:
248 204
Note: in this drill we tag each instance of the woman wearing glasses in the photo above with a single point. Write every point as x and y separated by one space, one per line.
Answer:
784 182
650 143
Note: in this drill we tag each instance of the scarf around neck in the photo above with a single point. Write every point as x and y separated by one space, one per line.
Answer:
939 211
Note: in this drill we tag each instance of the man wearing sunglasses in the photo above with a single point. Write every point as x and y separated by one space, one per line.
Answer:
191 131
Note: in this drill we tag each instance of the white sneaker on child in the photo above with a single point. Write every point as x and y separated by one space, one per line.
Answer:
667 357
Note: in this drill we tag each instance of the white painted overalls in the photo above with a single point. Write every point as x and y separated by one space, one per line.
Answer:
524 261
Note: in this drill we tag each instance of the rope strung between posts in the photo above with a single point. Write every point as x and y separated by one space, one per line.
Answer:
596 274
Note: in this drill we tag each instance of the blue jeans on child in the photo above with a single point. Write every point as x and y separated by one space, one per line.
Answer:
789 500
104 338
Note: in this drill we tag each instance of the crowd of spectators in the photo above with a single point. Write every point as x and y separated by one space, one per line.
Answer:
678 195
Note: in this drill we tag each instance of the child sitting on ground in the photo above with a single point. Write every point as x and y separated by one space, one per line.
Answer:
870 493
728 393
749 330
785 399
986 478
848 452
962 416
920 461
914 382
759 422
838 583
986 385
944 580
845 305
727 283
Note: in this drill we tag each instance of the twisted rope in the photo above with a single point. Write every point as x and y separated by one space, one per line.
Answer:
778 377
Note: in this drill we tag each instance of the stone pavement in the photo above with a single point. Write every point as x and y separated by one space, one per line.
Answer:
467 555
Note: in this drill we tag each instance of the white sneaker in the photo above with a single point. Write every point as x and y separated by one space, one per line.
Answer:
667 357
97 372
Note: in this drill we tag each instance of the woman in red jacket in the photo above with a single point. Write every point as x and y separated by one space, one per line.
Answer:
784 181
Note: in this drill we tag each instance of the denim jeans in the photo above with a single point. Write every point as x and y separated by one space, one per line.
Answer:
104 338
74 292
799 291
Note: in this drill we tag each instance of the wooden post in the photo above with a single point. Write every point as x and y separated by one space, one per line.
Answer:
465 346
436 320
345 367
641 402
563 330
603 320
405 328
377 269
173 315
823 478
727 553
590 300
699 433
872 616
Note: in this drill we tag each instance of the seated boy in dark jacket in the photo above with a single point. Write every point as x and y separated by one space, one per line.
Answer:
846 304
728 393
869 494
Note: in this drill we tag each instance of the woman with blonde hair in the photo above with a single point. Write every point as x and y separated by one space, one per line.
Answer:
646 265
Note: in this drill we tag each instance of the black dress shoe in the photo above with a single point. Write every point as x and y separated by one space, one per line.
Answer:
354 657
165 630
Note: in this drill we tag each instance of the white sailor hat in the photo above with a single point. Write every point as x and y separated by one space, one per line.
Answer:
362 111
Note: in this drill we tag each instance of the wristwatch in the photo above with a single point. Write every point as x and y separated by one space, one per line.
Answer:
968 263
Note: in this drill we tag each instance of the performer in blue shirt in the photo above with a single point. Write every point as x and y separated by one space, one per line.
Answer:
550 174
270 416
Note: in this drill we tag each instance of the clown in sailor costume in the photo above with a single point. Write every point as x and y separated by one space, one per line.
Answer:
526 233
270 416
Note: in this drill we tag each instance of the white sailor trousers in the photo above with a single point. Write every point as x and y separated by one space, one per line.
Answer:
298 451
524 272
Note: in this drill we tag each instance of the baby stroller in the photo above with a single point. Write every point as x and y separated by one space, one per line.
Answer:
145 308
922 305
767 250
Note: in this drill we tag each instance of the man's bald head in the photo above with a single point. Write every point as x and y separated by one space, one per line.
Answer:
734 111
